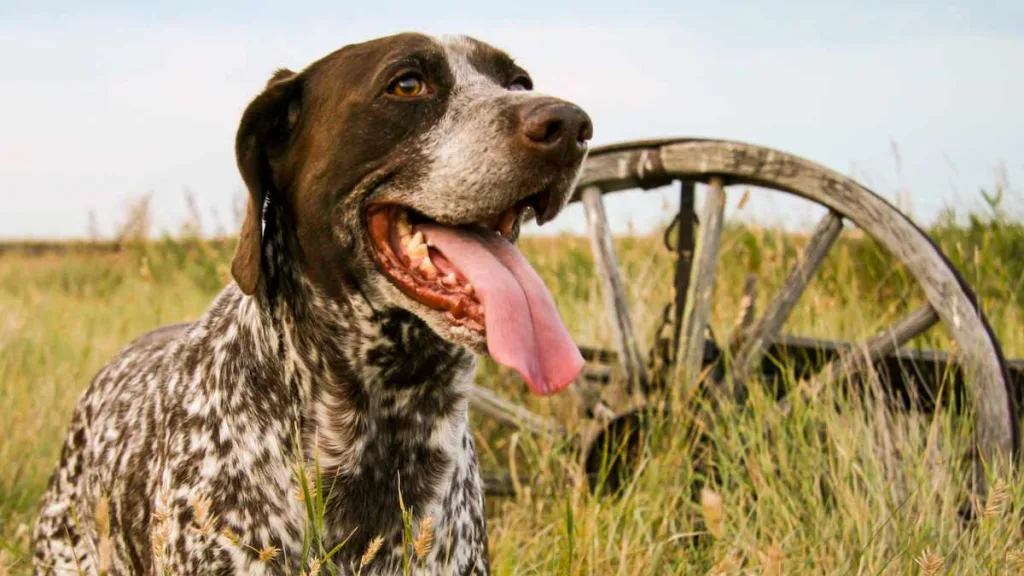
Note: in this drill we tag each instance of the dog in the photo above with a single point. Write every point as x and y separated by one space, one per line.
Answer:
387 184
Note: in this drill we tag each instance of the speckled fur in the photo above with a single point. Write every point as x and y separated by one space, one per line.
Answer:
221 408
193 432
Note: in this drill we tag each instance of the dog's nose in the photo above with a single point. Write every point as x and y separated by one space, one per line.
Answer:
556 129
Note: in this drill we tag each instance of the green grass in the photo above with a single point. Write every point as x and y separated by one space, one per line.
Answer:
833 483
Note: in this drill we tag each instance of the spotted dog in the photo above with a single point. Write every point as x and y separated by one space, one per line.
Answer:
387 185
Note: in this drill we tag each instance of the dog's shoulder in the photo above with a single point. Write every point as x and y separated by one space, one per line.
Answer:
137 364
133 389
160 336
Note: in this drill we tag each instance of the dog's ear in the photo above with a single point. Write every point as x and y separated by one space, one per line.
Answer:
263 133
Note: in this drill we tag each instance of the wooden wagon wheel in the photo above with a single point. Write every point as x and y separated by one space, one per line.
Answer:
718 164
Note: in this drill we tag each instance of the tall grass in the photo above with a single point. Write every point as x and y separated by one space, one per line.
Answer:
830 483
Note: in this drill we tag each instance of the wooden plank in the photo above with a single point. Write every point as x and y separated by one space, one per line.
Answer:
887 341
918 374
788 344
490 404
767 328
702 283
614 291
500 484
591 354
684 258
503 484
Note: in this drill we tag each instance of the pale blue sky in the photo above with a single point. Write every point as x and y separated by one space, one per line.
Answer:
104 101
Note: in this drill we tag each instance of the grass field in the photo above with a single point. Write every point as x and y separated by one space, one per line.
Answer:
834 485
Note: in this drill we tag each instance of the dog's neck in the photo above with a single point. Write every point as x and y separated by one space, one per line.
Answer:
384 398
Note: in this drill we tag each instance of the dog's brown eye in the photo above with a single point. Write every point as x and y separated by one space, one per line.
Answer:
521 83
408 86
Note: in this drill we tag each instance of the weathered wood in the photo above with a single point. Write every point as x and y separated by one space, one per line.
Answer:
619 167
702 283
614 291
505 485
684 258
501 484
491 405
918 376
591 354
887 341
757 339
632 168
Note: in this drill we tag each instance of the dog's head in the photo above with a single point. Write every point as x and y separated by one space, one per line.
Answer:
402 169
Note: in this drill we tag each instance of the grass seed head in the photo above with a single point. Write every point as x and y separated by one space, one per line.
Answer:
713 512
104 552
162 506
202 519
929 562
996 499
300 493
771 561
728 565
371 551
158 540
231 536
425 538
268 553
105 546
101 515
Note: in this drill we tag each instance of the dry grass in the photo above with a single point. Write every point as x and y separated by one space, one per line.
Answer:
832 484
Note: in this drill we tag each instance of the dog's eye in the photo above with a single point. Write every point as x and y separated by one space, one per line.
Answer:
521 83
408 86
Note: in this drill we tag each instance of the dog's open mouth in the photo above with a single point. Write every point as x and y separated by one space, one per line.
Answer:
476 277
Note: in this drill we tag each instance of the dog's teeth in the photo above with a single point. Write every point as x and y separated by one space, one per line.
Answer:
459 309
468 288
427 267
414 246
508 220
450 279
417 251
404 228
416 240
528 213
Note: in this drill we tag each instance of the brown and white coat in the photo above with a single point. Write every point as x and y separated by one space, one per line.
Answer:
193 433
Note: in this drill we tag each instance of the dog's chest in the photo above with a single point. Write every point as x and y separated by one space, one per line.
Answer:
397 454
423 499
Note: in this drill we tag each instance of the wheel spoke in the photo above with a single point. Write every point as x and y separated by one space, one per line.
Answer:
684 257
702 282
614 290
493 406
767 328
889 340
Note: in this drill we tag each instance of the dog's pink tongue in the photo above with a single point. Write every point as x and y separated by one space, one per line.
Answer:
524 330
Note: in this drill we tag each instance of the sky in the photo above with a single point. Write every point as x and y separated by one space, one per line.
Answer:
104 102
